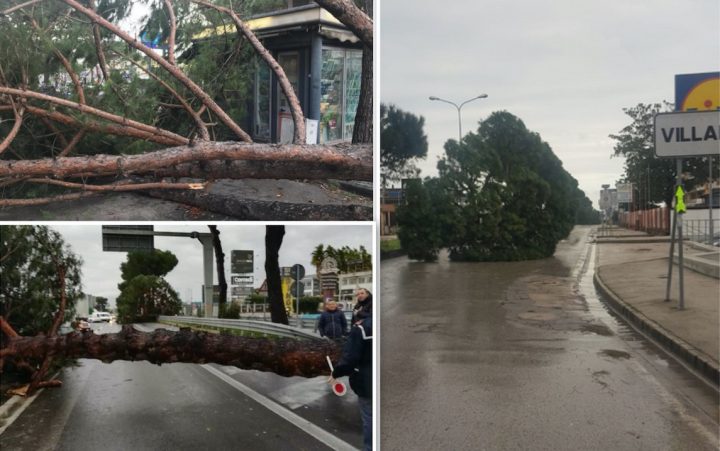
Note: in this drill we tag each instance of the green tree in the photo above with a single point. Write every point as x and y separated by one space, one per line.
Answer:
145 297
635 143
402 142
144 293
30 288
501 194
422 222
101 303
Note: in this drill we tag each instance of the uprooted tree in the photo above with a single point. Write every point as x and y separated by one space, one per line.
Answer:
85 107
37 255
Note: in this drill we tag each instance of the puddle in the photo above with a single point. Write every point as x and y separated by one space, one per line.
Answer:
615 354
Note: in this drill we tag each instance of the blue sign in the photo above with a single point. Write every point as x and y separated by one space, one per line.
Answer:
697 92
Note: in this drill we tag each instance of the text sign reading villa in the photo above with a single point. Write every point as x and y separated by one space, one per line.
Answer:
687 134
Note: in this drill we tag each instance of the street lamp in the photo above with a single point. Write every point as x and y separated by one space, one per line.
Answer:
481 96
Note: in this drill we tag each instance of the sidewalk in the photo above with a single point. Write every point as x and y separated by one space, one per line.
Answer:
631 271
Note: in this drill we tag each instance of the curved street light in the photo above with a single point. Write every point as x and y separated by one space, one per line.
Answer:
458 107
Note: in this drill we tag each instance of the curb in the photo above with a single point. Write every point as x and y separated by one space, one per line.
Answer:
385 255
666 339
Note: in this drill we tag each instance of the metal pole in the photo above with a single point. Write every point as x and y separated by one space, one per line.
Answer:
459 124
670 261
297 291
208 274
710 201
681 301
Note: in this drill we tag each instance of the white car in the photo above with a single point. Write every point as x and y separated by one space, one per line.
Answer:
98 317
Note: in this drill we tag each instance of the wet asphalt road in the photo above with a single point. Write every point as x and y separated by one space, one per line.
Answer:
523 356
140 406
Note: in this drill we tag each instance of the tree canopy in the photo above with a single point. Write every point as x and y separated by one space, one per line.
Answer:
501 194
654 177
402 142
144 293
30 262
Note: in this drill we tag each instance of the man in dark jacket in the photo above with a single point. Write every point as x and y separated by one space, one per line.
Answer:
332 322
356 362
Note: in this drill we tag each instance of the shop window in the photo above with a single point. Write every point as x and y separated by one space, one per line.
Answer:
262 101
339 93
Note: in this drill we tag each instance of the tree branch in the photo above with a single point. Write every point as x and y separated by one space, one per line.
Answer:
287 89
202 128
173 30
94 111
44 200
339 157
66 64
98 46
14 130
119 130
20 6
173 70
125 185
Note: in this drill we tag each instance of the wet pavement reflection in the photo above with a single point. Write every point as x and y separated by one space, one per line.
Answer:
523 355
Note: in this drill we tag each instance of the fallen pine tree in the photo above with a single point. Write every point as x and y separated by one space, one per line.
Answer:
283 356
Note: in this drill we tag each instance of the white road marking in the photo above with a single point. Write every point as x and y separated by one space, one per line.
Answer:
305 425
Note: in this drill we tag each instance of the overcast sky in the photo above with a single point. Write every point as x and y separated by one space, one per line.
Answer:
567 68
101 270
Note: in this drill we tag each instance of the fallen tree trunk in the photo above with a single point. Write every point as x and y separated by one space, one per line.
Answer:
283 356
355 159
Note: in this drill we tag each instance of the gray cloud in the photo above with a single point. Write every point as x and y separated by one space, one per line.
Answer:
566 68
101 270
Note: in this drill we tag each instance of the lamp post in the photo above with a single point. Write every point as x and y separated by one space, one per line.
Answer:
458 107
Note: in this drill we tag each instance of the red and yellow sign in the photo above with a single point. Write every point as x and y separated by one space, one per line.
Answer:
697 92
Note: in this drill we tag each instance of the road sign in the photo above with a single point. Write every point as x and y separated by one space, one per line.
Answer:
697 92
687 134
242 280
297 272
116 238
679 200
286 271
295 287
241 291
241 262
624 192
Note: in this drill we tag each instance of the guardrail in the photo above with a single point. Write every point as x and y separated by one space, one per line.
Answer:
699 230
261 327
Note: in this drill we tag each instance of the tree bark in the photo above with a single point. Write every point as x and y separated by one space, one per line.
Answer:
363 130
273 240
220 264
330 156
283 356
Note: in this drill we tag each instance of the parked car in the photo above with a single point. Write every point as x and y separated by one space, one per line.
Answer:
97 317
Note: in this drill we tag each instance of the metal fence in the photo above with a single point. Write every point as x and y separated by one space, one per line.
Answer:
256 326
699 230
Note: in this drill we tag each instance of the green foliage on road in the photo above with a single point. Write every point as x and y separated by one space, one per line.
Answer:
144 293
30 288
501 195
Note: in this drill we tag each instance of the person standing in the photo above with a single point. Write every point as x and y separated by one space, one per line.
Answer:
356 362
363 307
332 322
